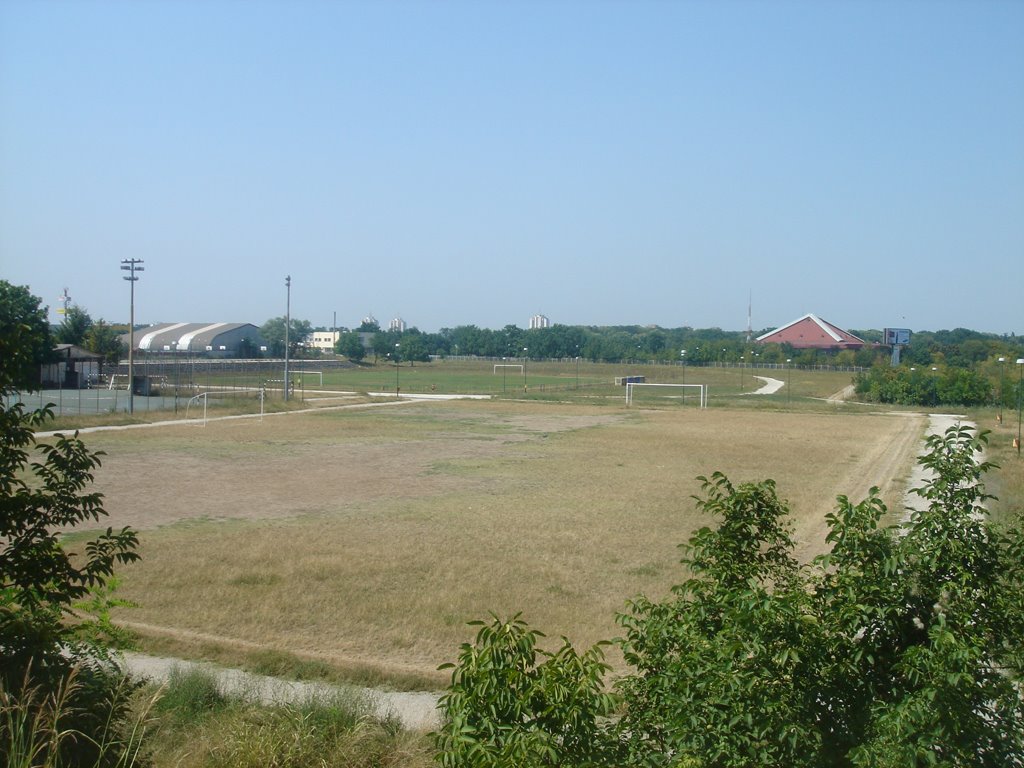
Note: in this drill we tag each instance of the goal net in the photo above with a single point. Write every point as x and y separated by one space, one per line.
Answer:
508 365
702 391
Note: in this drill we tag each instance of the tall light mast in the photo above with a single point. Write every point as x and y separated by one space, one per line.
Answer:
131 266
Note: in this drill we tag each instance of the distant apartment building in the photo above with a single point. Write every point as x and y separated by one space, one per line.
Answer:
539 321
397 324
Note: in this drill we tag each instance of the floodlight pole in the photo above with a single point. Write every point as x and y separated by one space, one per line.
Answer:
789 385
398 389
287 322
131 267
524 370
577 366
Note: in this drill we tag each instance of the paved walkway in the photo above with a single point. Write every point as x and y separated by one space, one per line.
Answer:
770 386
416 711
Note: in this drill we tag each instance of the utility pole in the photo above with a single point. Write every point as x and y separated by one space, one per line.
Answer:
287 323
131 266
65 299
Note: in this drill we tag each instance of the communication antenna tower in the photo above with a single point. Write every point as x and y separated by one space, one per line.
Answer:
750 304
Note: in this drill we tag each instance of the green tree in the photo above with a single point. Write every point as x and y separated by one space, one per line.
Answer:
730 649
25 339
412 348
74 328
44 492
512 704
351 346
105 340
273 332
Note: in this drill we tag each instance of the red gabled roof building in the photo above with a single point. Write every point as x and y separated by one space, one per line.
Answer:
811 332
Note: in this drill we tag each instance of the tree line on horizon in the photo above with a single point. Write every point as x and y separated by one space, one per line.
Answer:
958 366
960 347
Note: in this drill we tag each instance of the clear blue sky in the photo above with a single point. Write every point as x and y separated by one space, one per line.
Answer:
458 163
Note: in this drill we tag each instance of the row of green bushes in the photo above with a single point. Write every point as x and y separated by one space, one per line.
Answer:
949 386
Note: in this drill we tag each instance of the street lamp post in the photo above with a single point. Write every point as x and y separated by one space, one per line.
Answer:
287 323
1002 371
398 389
524 369
577 366
1020 396
789 385
504 368
131 267
682 356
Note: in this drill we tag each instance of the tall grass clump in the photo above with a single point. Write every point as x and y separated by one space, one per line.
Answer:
189 695
238 732
42 727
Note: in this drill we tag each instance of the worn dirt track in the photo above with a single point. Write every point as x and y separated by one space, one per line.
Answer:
884 466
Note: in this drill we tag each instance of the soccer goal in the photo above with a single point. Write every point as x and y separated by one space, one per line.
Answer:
703 391
312 373
507 365
204 398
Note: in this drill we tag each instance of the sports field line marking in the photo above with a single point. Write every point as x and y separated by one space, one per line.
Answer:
179 422
404 400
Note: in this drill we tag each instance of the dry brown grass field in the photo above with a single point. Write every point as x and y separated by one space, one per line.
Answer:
366 539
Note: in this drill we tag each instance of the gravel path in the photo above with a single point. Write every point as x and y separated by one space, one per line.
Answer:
415 711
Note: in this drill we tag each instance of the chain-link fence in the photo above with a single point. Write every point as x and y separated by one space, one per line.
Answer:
169 385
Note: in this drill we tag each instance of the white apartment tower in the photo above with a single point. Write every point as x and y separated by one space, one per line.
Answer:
539 321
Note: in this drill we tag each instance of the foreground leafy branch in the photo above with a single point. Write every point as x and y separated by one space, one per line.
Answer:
901 646
54 667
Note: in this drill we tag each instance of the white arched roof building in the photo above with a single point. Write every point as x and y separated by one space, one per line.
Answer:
215 339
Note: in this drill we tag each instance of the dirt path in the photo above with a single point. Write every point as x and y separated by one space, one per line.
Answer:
893 469
842 395
885 466
415 711
938 423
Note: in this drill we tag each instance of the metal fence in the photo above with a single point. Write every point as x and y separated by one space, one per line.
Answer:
168 384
